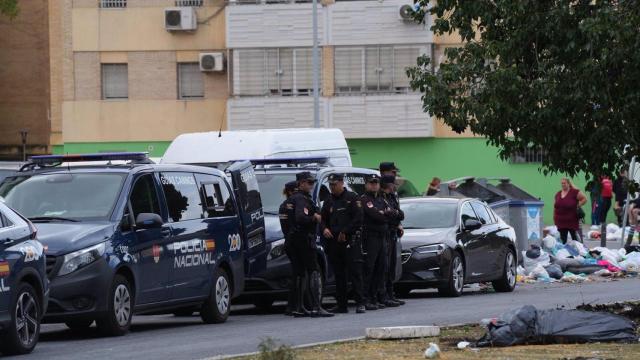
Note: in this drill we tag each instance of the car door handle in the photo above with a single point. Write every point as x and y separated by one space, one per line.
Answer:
165 232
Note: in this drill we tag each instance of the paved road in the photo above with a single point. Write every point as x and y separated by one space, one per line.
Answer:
168 337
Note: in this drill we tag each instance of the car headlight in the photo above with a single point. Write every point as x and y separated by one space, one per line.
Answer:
430 249
277 249
81 258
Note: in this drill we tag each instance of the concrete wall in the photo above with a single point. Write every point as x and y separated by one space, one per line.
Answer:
24 79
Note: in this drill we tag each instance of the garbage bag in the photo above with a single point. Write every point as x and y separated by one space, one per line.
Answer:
564 263
578 247
528 325
534 257
539 272
549 243
602 253
584 269
612 228
554 271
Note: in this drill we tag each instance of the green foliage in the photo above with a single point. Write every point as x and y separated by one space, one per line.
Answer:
270 349
9 8
561 75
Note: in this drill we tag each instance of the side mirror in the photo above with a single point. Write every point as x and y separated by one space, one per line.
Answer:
472 224
148 221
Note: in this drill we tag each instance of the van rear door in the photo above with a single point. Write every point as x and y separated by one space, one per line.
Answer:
247 192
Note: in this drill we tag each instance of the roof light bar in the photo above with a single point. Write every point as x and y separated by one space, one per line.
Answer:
56 159
291 161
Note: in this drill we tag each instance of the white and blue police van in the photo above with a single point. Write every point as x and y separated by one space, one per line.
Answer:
125 236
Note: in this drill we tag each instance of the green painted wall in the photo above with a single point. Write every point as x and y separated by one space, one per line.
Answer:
420 159
155 148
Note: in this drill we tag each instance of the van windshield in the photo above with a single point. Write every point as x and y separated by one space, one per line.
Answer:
71 196
271 186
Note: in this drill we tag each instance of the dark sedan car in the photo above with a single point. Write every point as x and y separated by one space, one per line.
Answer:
451 242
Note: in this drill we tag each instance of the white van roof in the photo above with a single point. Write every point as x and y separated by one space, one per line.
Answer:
214 147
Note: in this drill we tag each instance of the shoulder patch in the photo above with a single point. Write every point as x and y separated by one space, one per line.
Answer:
289 206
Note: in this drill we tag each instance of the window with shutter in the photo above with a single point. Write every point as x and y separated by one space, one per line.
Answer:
403 58
349 64
286 71
115 81
253 72
190 81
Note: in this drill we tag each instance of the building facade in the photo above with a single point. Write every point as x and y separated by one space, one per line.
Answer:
24 81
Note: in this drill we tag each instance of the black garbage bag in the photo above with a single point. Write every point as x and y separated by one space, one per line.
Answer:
555 271
527 325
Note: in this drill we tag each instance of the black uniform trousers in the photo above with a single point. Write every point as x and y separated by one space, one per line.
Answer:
347 264
302 255
390 265
375 246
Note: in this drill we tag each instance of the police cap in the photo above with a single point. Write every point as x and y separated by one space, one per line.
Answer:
388 166
335 177
305 176
373 178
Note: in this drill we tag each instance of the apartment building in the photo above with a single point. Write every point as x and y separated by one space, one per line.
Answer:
128 75
24 81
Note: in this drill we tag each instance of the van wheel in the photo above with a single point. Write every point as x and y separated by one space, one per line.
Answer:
217 307
455 280
21 336
79 324
508 280
117 320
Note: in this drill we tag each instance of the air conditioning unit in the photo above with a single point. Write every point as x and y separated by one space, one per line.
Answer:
406 12
212 61
180 18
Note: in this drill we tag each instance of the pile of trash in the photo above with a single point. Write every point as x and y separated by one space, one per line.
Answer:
528 325
614 233
573 262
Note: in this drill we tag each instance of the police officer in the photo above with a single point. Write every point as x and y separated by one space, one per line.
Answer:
285 213
375 227
395 231
341 226
303 246
388 168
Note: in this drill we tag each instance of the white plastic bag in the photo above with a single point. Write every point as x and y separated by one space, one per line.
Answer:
553 230
539 272
579 247
612 228
549 243
607 254
530 264
563 254
432 352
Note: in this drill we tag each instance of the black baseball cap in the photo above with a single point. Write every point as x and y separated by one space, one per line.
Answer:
290 186
387 179
373 178
305 176
388 166
335 177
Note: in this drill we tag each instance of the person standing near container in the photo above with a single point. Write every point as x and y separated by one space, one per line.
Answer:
606 194
620 192
565 210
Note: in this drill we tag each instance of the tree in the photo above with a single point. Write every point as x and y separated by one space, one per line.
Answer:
9 8
559 75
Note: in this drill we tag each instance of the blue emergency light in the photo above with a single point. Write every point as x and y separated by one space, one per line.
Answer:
57 159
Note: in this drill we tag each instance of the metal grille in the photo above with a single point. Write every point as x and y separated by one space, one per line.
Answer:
115 81
110 4
253 2
190 81
376 69
279 72
189 2
528 156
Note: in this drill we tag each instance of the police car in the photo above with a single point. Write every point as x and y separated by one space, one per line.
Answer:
272 174
23 283
125 236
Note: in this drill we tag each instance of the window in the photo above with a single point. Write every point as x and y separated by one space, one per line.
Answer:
113 4
190 81
144 197
376 69
188 2
182 195
5 221
280 72
467 213
115 81
528 156
483 213
217 200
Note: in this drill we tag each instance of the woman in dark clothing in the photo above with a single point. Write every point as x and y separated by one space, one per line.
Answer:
565 210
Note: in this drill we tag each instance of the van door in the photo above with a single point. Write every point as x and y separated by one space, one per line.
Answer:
247 192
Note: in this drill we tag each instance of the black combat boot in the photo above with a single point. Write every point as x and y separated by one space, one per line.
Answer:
300 310
316 294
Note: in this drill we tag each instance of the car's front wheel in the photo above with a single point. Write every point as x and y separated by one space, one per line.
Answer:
455 278
508 280
217 307
21 336
117 320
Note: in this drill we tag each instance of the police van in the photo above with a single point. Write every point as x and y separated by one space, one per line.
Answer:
23 283
140 238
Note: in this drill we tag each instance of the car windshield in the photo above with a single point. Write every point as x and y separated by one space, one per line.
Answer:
271 186
428 215
66 196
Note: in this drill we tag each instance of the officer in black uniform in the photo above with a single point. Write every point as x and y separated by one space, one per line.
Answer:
395 231
303 245
341 226
375 227
285 212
